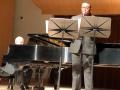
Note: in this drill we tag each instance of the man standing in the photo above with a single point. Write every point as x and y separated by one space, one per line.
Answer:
82 55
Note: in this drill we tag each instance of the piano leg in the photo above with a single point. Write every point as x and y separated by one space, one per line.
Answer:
55 78
26 76
38 78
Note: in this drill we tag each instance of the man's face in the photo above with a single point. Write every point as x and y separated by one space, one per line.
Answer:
85 8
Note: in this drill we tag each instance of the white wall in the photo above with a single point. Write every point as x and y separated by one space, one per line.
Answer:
28 19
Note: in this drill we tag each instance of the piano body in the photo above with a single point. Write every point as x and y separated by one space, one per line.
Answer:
40 48
41 51
32 53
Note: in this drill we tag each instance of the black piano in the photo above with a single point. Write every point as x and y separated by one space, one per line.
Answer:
41 51
39 48
32 53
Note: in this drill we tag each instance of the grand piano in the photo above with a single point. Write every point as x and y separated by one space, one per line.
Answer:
40 48
41 51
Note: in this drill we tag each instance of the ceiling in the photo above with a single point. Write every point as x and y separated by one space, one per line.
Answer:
72 7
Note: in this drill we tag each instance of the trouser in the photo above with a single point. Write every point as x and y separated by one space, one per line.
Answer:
77 62
76 72
88 71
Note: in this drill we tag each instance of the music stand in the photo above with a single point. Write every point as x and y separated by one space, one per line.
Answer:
59 26
96 27
93 26
64 29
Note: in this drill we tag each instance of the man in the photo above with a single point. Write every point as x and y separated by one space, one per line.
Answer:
19 40
83 55
8 69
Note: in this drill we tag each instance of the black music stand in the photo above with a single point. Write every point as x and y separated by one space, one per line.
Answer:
96 27
93 26
64 29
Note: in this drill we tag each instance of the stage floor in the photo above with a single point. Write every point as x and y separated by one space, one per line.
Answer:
4 87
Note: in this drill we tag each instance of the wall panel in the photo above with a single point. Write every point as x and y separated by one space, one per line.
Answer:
6 25
72 7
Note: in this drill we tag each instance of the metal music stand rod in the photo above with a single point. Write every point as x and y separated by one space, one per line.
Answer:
63 29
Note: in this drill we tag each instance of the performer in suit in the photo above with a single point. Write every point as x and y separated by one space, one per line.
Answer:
82 55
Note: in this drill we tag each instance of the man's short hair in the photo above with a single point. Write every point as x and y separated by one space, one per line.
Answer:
86 4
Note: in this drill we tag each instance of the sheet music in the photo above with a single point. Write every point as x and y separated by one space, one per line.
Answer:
63 28
93 26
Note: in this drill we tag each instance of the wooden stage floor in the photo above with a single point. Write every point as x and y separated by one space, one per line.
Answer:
4 87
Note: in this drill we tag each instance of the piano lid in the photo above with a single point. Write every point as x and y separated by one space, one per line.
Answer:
44 38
